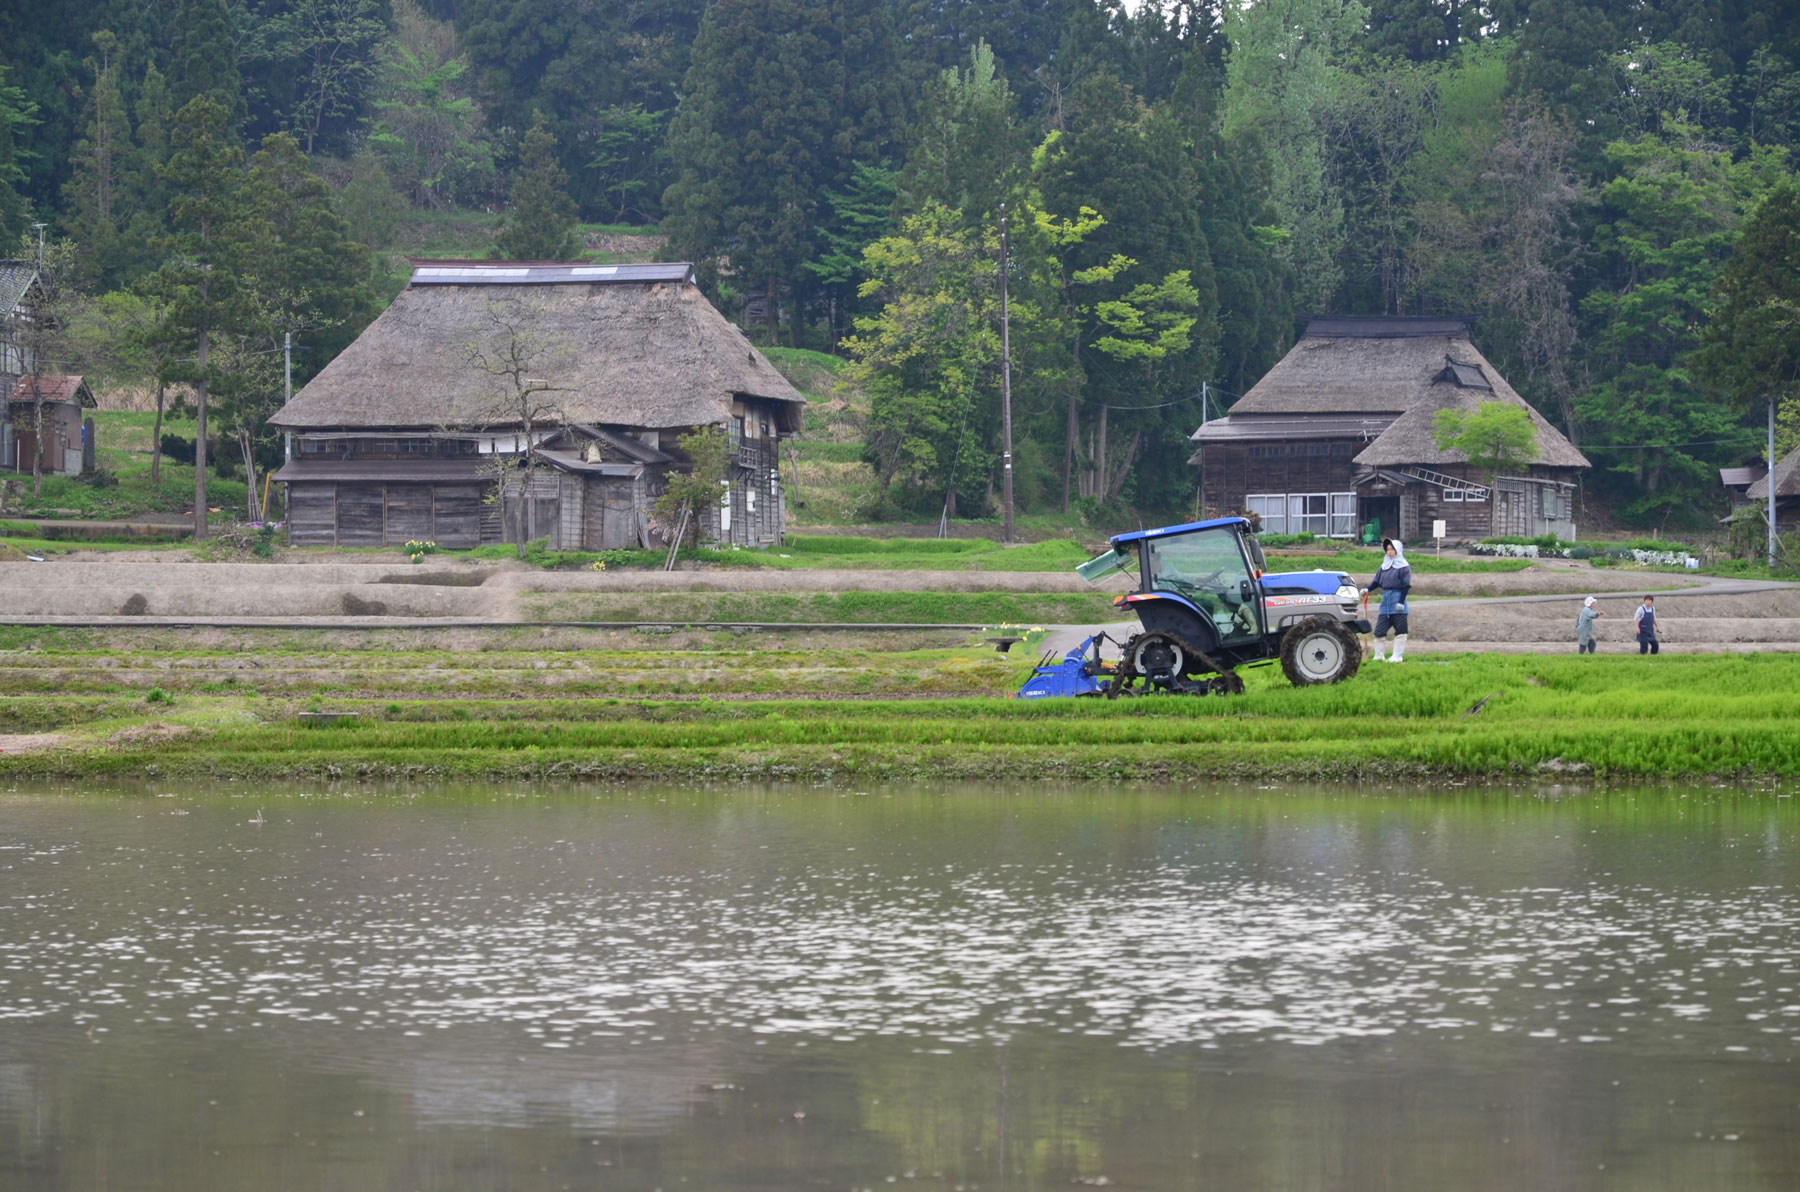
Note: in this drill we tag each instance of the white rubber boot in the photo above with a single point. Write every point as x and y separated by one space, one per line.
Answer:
1379 656
1399 648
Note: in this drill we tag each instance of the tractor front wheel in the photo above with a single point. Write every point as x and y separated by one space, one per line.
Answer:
1319 651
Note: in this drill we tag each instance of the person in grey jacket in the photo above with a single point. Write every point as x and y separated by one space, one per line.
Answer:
1584 626
1394 578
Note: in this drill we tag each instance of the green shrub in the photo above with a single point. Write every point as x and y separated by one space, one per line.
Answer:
1582 552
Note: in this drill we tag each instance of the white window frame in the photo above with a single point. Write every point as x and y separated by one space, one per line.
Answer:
1325 515
1453 494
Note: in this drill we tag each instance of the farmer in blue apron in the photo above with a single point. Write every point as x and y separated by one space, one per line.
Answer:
1394 578
1646 627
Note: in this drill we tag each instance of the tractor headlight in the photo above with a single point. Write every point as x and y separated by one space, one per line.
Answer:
1349 593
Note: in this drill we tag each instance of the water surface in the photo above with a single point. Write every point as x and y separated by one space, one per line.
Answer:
1005 989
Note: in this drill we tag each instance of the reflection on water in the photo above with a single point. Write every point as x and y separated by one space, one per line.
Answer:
1019 990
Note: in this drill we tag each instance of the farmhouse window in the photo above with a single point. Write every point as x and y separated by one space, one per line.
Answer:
1327 515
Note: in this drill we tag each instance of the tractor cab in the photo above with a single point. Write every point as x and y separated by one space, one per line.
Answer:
1199 595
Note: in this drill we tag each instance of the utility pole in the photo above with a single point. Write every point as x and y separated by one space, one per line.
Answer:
1006 451
1771 483
40 231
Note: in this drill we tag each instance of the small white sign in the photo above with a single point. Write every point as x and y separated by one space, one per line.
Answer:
1437 529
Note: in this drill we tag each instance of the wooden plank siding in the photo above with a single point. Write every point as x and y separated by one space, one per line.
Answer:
1233 472
344 514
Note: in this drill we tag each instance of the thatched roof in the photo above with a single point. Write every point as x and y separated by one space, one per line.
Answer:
1399 368
1787 479
16 280
618 349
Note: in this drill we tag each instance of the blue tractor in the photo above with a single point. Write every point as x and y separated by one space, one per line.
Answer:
1206 606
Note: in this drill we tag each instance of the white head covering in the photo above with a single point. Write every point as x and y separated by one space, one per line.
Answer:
1588 603
1399 559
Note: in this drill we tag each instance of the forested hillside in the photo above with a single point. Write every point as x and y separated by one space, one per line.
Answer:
1178 181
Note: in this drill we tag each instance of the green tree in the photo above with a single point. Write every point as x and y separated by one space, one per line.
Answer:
782 99
540 220
369 203
1496 438
200 282
1669 216
630 156
1282 80
144 192
336 44
965 141
429 130
94 196
300 271
930 358
861 214
690 493
203 60
1749 352
16 112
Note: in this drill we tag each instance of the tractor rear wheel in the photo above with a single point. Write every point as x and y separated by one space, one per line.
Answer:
1318 651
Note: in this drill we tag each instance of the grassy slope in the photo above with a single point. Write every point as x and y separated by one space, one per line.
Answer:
123 449
717 714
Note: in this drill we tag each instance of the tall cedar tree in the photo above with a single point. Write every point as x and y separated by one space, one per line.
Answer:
203 60
1750 351
94 200
540 220
783 98
606 76
200 280
145 193
309 276
1670 215
965 141
15 111
1131 165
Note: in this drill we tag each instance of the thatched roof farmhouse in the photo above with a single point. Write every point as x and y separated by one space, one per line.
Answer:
600 368
1787 490
1338 437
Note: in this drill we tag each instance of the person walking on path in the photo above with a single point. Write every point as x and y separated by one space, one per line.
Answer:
1394 578
1646 627
1584 626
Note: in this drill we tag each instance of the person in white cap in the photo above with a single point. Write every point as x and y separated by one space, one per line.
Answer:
1394 578
1584 626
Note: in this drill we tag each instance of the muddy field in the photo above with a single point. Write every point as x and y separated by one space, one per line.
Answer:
169 584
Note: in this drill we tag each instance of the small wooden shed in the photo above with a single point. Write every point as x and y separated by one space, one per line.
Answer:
418 429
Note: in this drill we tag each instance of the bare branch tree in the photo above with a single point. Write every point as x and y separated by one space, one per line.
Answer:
525 397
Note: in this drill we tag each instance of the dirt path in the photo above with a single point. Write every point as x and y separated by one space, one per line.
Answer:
1712 615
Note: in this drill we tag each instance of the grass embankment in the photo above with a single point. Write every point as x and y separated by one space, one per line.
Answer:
121 485
731 714
856 608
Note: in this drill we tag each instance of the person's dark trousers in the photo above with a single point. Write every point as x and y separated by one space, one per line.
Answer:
1649 645
1587 647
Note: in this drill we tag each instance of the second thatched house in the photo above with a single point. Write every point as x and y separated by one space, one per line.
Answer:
591 373
1337 438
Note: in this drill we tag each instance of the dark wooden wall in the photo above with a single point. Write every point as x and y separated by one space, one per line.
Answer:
1229 473
345 514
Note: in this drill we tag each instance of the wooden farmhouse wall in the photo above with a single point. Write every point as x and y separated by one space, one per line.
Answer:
390 514
1233 471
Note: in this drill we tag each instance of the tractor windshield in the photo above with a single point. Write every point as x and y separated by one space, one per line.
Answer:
1208 568
1101 566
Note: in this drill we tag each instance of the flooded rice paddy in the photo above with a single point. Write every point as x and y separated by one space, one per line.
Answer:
1022 989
